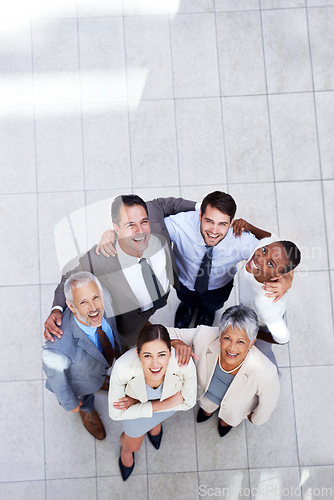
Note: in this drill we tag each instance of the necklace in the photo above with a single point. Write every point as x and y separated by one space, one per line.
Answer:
242 362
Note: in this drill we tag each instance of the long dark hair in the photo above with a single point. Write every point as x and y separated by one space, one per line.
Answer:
153 332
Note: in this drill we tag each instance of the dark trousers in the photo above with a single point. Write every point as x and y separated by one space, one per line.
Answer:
209 301
87 403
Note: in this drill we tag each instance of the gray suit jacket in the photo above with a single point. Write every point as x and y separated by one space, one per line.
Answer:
129 317
74 366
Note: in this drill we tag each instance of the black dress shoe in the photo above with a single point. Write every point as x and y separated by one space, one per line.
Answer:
223 429
205 318
201 417
183 316
126 471
155 440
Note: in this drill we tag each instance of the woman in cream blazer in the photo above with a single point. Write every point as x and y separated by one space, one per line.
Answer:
147 386
252 380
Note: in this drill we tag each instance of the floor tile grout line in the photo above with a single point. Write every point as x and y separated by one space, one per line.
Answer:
128 112
124 101
81 120
174 105
244 423
96 474
196 447
331 291
249 482
38 245
269 118
221 102
247 453
27 285
155 15
147 473
277 208
78 478
295 421
173 186
153 99
296 431
83 175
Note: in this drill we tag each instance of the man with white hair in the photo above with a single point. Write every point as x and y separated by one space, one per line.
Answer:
76 366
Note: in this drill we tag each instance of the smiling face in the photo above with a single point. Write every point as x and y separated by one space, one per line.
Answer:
214 225
133 230
154 357
267 262
87 304
234 346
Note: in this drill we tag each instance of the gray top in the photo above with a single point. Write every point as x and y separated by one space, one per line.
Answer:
154 393
219 384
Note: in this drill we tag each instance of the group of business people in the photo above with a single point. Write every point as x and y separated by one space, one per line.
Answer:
102 308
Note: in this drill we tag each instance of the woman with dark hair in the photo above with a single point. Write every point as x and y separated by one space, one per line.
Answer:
146 387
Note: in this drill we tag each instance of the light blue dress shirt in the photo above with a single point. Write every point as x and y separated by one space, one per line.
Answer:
189 249
91 332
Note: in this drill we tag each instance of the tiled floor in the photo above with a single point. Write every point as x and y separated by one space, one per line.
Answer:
166 97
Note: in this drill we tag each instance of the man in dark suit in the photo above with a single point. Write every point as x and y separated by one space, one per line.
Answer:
76 366
141 257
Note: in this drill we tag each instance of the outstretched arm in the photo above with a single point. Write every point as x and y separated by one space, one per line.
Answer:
171 206
158 209
183 352
240 225
52 325
106 245
278 286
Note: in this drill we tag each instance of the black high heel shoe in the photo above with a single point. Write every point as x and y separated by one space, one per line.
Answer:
155 440
126 471
201 417
223 429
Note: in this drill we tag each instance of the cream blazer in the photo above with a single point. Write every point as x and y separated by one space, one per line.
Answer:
254 388
127 379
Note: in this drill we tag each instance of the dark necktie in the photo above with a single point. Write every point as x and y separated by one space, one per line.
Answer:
152 283
107 349
202 280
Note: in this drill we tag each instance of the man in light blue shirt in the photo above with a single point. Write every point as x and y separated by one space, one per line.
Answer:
206 252
77 364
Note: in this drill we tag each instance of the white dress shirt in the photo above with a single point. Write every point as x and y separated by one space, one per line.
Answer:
189 249
155 254
252 294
